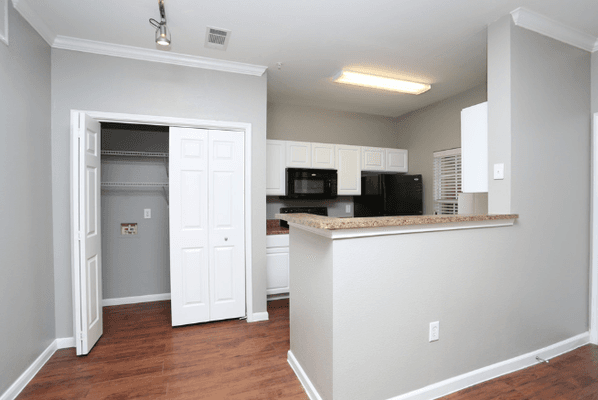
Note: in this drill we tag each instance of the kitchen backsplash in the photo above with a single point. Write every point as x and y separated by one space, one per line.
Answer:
336 207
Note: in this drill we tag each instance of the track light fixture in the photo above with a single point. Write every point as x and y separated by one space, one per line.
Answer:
162 32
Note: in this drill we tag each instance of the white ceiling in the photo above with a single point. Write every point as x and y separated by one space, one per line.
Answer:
435 41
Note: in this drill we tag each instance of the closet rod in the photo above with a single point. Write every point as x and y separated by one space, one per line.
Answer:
133 153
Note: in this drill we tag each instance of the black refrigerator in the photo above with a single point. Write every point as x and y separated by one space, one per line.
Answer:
389 194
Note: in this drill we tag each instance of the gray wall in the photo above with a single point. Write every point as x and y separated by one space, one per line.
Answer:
27 284
434 128
134 265
500 124
310 124
102 83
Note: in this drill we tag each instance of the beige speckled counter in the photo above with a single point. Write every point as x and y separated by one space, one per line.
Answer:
354 227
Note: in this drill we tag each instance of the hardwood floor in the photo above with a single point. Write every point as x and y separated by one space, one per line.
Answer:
572 376
140 356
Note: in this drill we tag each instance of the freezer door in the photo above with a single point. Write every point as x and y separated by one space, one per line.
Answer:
403 195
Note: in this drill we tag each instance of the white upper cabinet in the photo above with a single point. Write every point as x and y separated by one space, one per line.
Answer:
384 160
373 159
348 164
275 167
474 148
298 155
322 156
397 160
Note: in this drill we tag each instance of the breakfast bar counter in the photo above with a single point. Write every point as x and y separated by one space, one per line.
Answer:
364 291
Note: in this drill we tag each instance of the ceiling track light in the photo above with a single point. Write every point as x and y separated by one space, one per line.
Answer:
380 82
162 32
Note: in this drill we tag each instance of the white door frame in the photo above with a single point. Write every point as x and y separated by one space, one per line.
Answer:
242 127
594 233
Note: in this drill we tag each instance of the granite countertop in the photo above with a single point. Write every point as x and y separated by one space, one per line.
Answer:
273 227
331 223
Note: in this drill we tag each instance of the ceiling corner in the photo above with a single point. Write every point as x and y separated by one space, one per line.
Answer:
33 18
548 27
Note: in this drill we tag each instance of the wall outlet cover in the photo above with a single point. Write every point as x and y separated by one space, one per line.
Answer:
147 213
499 171
434 331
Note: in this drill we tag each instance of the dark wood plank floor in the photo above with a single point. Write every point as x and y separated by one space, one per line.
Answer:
140 356
571 376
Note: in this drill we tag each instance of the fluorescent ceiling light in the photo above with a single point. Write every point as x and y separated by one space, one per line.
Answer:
379 82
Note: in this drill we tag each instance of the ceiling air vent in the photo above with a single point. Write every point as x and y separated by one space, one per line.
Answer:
217 38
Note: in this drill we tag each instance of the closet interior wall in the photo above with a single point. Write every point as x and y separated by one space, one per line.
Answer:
134 265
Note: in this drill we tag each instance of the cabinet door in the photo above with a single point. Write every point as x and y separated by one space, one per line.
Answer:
348 164
277 270
373 159
275 168
298 155
322 156
397 160
474 148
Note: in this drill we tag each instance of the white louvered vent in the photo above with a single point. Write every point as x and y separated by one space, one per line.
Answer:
217 38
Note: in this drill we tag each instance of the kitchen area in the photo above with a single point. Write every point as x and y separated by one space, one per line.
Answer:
346 224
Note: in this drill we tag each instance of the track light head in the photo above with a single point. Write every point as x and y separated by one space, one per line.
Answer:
162 32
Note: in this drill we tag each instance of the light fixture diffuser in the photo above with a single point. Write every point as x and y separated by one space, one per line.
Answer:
380 82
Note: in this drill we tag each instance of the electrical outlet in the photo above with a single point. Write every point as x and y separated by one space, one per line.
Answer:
348 208
434 331
147 213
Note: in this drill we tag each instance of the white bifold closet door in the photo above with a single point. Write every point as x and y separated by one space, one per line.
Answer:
207 225
87 268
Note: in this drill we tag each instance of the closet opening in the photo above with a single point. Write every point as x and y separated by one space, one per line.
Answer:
199 191
134 213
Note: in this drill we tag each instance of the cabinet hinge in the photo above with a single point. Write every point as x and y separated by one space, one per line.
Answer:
81 336
79 236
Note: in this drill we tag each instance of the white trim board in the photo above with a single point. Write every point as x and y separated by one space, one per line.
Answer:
135 299
310 389
153 55
65 343
17 387
463 381
594 234
257 317
553 29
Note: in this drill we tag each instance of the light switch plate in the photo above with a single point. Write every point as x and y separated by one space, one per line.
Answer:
147 213
499 171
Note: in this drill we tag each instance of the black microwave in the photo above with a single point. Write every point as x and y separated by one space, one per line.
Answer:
305 183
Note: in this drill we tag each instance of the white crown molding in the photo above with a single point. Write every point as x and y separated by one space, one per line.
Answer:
31 16
548 27
137 53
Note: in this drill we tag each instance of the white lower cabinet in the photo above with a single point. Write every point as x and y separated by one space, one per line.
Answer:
277 264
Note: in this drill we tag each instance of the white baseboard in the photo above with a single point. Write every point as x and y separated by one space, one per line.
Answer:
311 391
17 387
257 317
136 299
461 382
472 378
65 343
